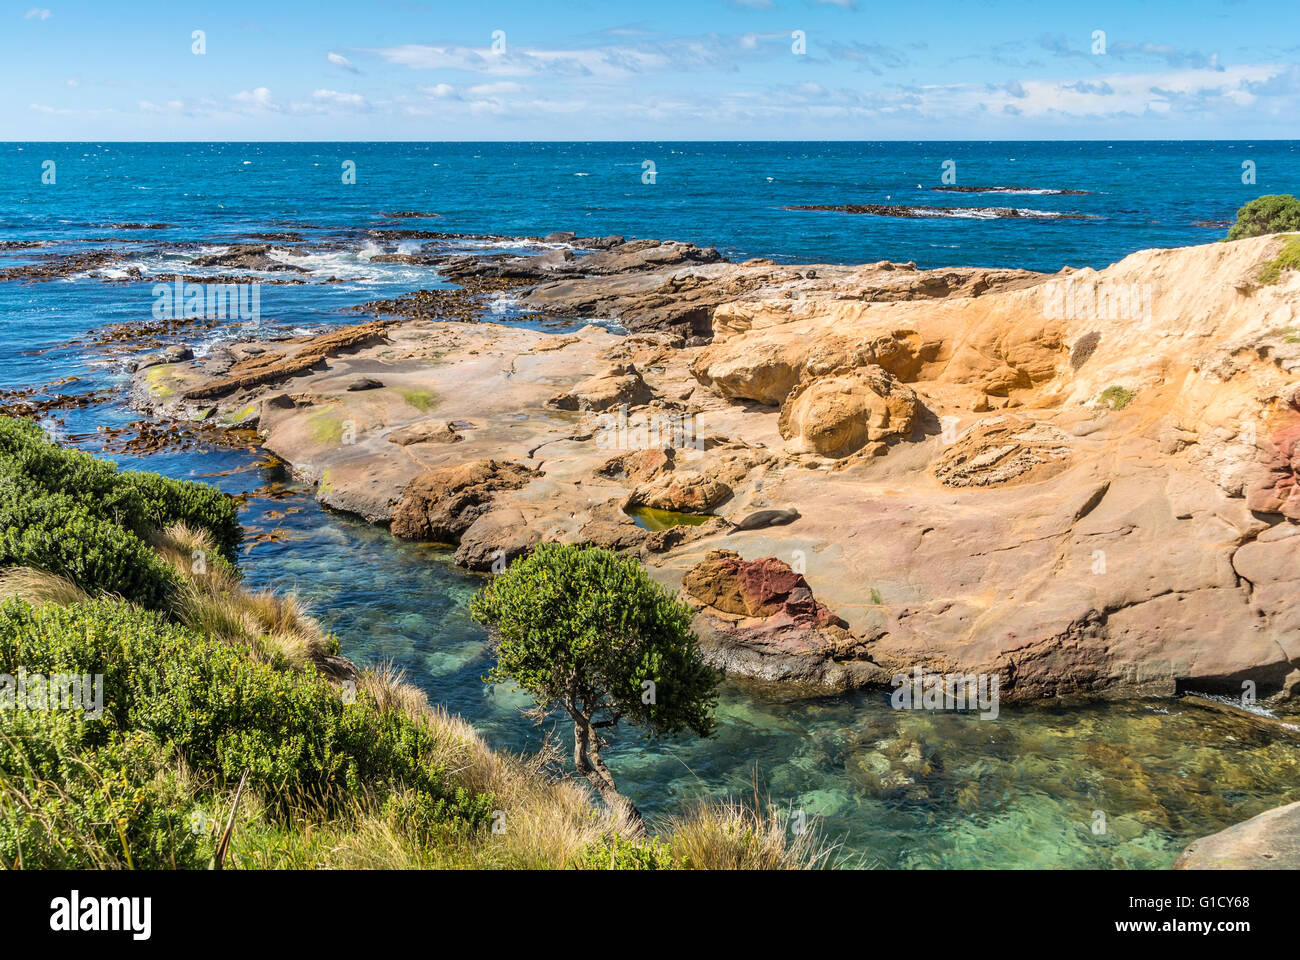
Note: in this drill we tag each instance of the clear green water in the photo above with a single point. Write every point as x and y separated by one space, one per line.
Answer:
898 788
653 519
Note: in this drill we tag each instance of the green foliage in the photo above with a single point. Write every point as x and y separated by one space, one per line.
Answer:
1274 213
1117 398
201 506
1287 259
52 531
69 803
170 694
428 820
70 513
623 854
585 627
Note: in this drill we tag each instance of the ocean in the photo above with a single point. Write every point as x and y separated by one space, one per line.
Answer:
897 789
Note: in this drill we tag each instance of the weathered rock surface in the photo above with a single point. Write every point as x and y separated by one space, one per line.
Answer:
1270 841
246 256
427 432
1001 450
1082 483
759 619
838 415
620 385
443 503
298 356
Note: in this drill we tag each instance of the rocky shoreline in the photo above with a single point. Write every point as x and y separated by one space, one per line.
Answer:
975 471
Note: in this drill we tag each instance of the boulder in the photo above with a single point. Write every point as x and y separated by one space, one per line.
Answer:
639 466
838 415
681 492
755 588
442 503
619 385
759 619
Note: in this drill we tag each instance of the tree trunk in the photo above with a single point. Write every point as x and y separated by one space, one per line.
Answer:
586 756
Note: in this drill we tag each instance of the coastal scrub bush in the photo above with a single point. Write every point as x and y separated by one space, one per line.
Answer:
1273 213
141 502
1117 398
1287 259
210 706
619 853
164 502
589 631
216 707
70 513
54 532
1084 348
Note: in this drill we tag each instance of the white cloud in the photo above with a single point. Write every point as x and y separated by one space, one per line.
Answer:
341 61
37 13
354 101
616 62
260 97
494 89
441 91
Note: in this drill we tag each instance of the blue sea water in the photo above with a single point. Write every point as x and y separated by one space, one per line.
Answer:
897 788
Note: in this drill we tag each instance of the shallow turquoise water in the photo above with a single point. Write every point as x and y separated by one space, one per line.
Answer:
897 788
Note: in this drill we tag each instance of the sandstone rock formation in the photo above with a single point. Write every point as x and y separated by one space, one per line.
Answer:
838 415
620 385
442 503
759 619
1084 483
1270 841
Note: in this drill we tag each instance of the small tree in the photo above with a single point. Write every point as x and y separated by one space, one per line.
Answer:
587 630
1273 213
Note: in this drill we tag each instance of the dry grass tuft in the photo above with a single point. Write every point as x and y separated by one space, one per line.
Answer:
38 586
211 600
731 835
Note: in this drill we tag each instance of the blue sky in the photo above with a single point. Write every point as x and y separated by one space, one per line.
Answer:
655 70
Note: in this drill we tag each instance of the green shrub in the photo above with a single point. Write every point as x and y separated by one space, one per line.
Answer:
216 707
66 804
70 513
164 501
624 854
1117 398
210 705
54 532
139 501
1274 213
1288 258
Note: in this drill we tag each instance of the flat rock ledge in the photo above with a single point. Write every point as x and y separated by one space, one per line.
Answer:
1270 841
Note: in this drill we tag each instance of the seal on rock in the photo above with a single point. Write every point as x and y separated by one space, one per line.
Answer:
765 518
